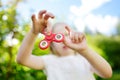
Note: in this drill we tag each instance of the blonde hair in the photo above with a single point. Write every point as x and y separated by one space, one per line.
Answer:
58 24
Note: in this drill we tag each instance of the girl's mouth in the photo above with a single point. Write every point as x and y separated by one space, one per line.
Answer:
65 47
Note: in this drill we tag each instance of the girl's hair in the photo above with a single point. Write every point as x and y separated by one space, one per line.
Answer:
58 24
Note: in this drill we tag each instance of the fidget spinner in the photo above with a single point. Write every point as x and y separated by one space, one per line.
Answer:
45 43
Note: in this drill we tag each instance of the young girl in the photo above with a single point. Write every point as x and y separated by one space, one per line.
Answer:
71 59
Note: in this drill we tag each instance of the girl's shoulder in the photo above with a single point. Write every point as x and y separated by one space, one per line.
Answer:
48 56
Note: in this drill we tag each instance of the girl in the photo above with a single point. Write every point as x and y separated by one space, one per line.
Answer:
71 59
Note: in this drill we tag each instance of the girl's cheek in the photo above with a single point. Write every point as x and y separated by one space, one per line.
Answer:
57 45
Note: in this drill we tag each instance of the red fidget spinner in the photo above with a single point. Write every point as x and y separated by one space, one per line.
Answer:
45 43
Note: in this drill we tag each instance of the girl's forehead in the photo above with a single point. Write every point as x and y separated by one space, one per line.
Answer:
60 28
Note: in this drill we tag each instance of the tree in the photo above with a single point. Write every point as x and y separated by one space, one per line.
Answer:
110 49
11 35
118 28
8 33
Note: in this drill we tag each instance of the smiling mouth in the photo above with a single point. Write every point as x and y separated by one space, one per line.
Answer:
65 47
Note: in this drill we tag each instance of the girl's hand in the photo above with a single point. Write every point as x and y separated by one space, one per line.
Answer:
42 22
75 40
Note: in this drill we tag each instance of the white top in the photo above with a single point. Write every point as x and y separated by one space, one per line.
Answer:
74 67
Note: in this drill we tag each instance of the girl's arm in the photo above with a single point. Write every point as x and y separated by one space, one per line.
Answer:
77 42
24 55
100 66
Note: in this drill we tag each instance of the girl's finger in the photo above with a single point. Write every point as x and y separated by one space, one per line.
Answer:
40 15
76 37
70 33
72 37
34 24
68 30
48 15
33 21
49 28
33 18
81 36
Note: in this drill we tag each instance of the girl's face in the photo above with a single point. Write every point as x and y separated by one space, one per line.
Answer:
59 48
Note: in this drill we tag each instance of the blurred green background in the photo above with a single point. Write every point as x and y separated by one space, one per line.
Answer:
12 33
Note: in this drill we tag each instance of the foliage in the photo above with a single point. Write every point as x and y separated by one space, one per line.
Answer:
118 29
108 47
11 35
